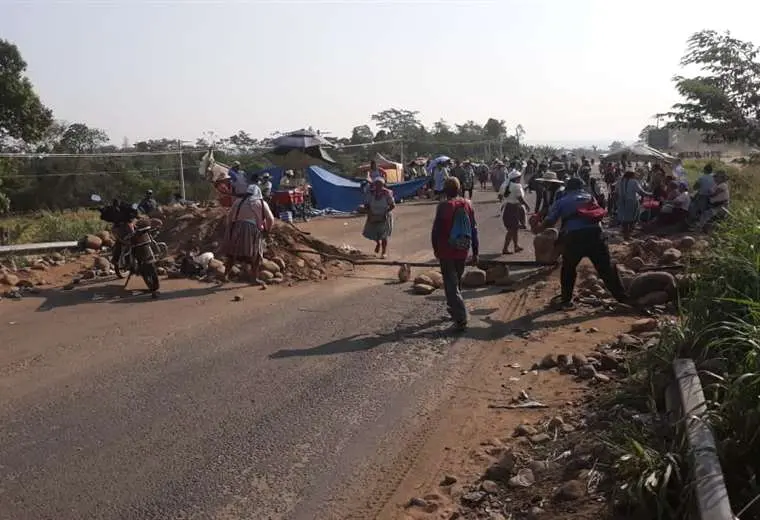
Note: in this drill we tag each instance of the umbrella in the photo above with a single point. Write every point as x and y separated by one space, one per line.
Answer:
300 140
291 159
639 152
435 162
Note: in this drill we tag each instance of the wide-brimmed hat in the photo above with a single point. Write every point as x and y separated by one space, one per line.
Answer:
379 180
514 174
550 177
266 176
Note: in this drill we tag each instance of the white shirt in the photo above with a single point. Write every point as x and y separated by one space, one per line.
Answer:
720 194
514 194
682 201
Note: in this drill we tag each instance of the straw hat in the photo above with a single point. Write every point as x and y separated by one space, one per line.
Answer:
550 177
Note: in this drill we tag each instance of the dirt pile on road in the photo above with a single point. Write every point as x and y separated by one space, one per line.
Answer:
291 254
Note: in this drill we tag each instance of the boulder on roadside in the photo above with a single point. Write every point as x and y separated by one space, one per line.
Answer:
216 267
496 272
9 279
404 273
570 490
266 275
423 289
671 256
646 283
545 246
436 277
90 242
424 280
106 238
635 264
102 263
644 325
474 277
271 266
654 298
686 243
501 471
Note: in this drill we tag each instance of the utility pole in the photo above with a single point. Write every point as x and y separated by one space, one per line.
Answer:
181 170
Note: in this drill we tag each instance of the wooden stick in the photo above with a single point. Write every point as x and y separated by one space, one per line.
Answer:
369 261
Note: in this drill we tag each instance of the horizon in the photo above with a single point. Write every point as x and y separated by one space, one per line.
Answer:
561 80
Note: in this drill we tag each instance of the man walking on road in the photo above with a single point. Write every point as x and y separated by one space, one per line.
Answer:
454 233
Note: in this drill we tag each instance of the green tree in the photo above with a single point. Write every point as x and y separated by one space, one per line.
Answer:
361 134
22 114
724 102
616 145
398 123
644 134
494 128
519 132
79 138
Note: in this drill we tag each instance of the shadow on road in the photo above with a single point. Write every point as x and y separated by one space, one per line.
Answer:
359 342
116 293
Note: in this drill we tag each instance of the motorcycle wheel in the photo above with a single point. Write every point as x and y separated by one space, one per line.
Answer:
150 276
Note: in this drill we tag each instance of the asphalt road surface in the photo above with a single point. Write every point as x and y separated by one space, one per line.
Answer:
292 403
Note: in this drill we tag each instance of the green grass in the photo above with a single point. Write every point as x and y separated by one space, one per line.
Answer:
718 327
47 226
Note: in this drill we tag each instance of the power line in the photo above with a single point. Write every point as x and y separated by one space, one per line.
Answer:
91 155
84 174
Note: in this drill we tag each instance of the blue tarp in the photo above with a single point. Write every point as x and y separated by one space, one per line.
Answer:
341 194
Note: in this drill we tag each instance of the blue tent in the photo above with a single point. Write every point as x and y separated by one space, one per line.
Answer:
341 194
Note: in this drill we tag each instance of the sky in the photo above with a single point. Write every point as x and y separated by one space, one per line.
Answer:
569 71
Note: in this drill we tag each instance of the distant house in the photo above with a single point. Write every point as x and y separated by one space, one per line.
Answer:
690 143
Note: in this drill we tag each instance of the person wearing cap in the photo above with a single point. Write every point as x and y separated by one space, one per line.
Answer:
454 233
238 181
148 204
581 237
247 220
379 203
266 186
512 195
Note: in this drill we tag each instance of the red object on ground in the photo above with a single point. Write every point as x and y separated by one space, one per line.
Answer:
650 204
287 197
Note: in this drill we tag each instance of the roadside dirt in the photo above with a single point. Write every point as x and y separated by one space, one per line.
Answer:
473 433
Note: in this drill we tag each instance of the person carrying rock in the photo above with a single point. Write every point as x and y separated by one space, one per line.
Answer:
454 233
581 236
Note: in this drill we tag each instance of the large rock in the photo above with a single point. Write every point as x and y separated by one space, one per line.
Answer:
106 238
421 288
635 264
671 256
687 243
91 242
270 266
436 277
545 246
266 275
496 272
9 279
215 266
102 263
474 278
423 279
654 298
646 283
404 273
502 470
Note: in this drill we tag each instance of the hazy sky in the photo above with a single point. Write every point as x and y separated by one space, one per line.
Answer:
567 70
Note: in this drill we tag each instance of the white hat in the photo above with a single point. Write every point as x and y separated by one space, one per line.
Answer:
514 174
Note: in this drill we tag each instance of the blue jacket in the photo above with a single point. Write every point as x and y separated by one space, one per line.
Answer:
566 209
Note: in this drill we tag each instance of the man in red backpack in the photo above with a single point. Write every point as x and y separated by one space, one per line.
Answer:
454 233
581 236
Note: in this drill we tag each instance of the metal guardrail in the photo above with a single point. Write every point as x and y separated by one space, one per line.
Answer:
686 404
30 248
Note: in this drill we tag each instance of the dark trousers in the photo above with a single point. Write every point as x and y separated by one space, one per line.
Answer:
452 271
465 191
588 243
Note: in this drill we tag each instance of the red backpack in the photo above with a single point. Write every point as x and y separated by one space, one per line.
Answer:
592 211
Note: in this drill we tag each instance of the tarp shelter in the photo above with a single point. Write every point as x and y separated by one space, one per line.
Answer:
639 152
394 172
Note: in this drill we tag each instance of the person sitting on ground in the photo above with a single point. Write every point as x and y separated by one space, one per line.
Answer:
454 233
675 208
581 236
718 201
148 204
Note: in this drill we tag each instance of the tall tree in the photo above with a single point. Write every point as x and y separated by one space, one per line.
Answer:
724 102
519 132
616 145
79 138
361 134
495 128
398 123
22 114
644 134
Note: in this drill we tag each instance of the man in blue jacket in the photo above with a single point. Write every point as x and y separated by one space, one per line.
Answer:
581 237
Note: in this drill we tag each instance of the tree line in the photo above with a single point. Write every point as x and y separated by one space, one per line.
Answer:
723 102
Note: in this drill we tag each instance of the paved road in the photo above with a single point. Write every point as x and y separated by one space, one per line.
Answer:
293 403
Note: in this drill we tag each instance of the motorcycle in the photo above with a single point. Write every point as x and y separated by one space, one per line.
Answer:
139 250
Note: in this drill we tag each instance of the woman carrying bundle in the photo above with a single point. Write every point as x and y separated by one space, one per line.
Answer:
379 225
